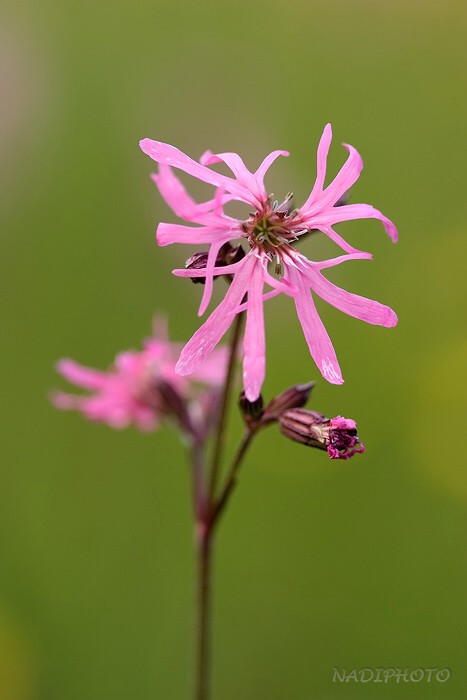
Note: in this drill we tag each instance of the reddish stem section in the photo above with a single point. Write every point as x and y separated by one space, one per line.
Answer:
204 612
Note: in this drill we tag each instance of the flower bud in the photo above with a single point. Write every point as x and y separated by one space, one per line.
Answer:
293 397
227 255
252 411
198 261
173 403
338 436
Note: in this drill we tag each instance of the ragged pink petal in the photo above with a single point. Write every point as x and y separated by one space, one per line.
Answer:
191 235
165 154
352 304
206 338
212 370
66 402
333 262
178 199
254 361
349 212
345 178
242 174
209 158
265 165
321 160
319 343
209 277
337 239
223 270
266 297
79 375
280 286
174 193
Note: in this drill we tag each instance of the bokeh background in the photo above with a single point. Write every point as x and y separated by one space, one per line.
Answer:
319 564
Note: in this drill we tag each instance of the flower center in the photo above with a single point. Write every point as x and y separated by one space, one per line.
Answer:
271 229
268 233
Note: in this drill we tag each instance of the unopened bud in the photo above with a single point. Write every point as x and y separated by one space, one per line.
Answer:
227 255
230 254
251 410
338 436
198 261
293 397
174 404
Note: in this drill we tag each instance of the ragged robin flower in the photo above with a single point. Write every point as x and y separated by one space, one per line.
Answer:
268 237
142 387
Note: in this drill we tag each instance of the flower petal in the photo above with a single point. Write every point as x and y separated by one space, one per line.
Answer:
67 402
337 239
345 178
181 203
350 212
243 175
222 270
209 158
206 338
212 370
321 158
243 307
196 235
79 375
352 304
165 154
254 362
332 262
265 165
316 336
209 279
175 193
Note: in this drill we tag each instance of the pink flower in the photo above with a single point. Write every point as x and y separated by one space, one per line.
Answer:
268 236
143 387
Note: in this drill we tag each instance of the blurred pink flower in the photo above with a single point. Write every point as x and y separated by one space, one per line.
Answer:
142 387
268 235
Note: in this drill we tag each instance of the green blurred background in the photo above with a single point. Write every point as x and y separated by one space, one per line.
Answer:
319 564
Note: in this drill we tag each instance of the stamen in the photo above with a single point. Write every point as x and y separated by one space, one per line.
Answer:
279 268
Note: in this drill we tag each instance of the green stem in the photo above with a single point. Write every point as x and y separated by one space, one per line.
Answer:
231 479
200 505
206 525
220 436
204 495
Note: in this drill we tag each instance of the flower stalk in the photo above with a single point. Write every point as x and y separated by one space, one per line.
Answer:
204 547
205 530
192 387
220 434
